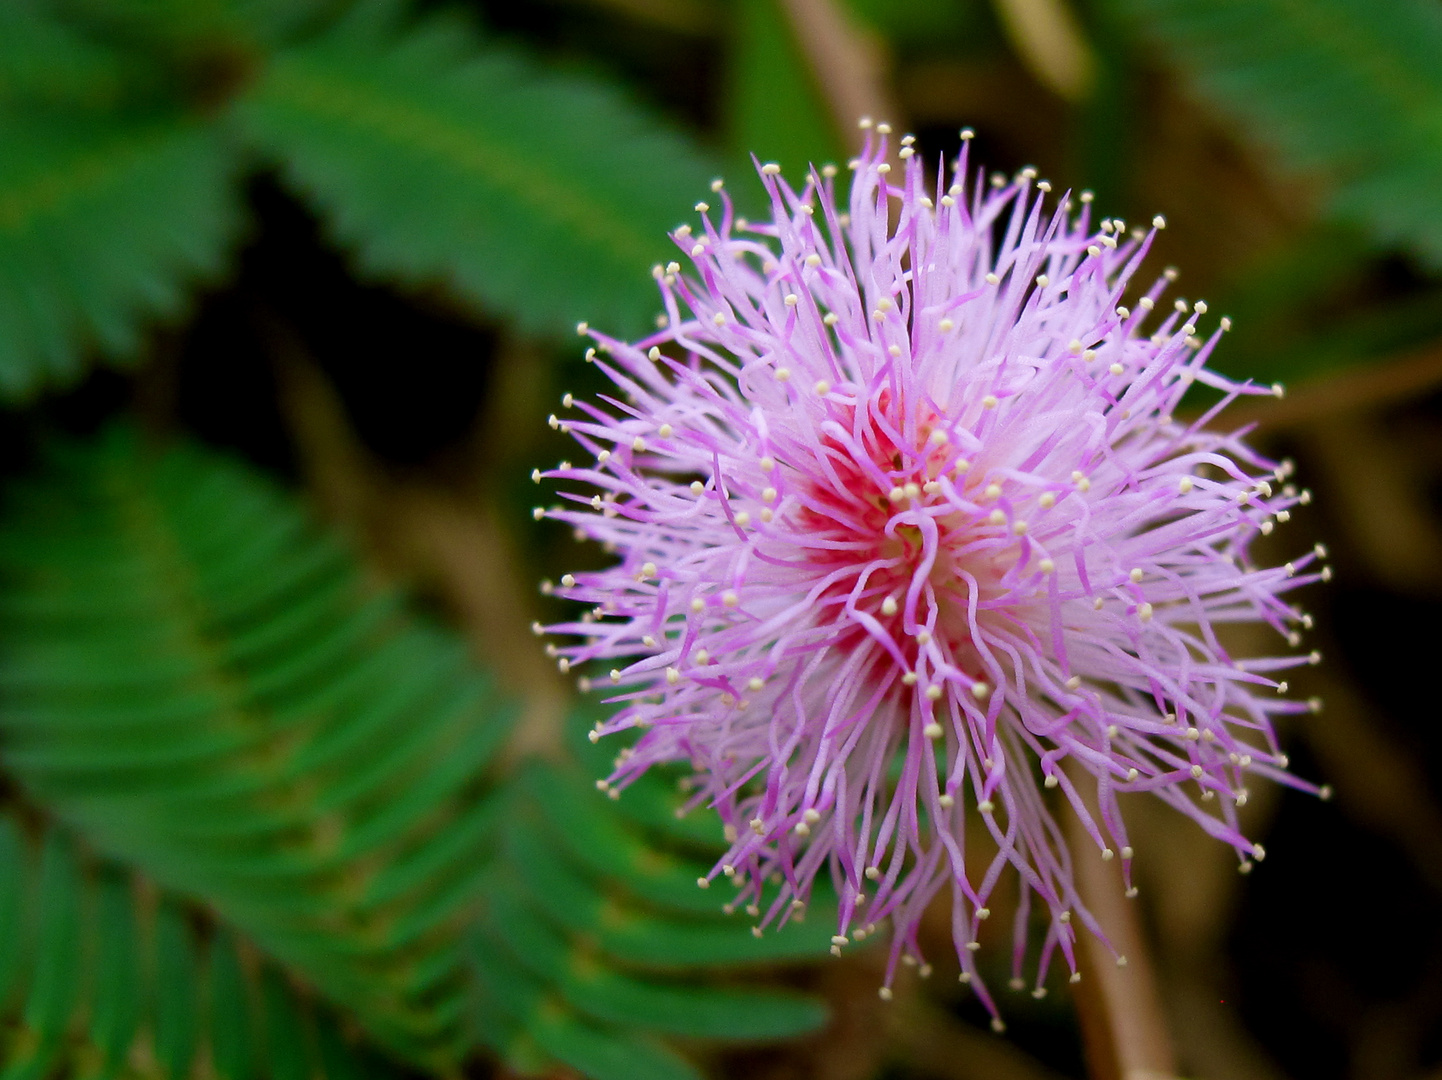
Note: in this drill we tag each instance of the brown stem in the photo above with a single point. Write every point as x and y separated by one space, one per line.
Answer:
1049 40
428 535
1123 1026
933 1042
848 64
1378 383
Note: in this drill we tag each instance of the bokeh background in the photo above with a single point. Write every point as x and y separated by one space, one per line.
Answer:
287 290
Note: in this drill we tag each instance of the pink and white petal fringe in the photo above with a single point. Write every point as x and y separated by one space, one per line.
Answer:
906 521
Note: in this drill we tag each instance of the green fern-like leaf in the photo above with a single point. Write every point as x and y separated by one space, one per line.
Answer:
195 680
44 61
597 939
104 222
440 157
1350 89
106 976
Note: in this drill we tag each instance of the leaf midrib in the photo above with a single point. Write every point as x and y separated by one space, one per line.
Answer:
306 86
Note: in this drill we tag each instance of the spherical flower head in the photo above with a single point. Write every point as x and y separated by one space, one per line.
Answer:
909 533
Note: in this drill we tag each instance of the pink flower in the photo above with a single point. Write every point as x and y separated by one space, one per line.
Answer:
906 523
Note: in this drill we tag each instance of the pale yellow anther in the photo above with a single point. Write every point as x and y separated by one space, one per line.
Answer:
729 598
823 387
989 402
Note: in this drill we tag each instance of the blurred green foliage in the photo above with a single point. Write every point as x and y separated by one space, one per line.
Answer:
1347 89
197 682
438 156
